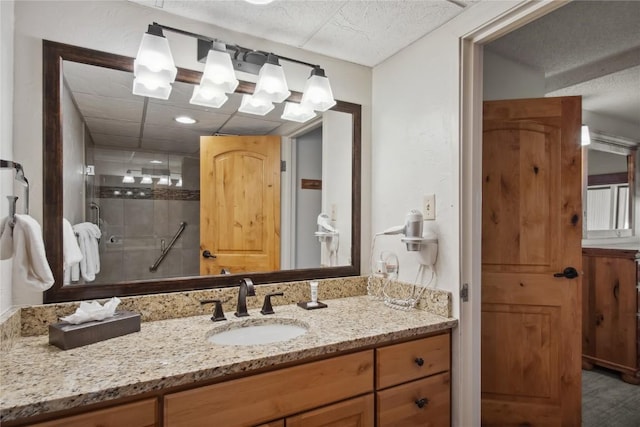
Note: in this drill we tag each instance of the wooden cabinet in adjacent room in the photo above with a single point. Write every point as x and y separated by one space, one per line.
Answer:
610 303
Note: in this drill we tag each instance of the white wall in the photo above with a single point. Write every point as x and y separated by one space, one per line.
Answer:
416 151
73 205
117 27
336 169
6 134
504 78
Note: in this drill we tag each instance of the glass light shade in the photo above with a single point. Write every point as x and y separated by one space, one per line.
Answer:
218 72
297 112
179 183
271 84
208 97
146 179
317 93
128 178
153 68
252 105
164 180
585 136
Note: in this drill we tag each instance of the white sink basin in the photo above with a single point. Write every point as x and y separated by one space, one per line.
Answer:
258 331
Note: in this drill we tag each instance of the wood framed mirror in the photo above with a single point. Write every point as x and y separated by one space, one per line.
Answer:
55 55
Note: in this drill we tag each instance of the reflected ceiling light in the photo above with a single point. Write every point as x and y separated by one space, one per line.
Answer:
146 179
185 120
259 2
164 180
153 68
586 136
156 162
179 183
297 112
252 105
128 178
272 84
219 78
317 91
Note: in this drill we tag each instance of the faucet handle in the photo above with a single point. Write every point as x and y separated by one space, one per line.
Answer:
267 308
218 314
251 292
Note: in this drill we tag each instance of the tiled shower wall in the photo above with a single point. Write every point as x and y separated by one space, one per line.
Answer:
133 230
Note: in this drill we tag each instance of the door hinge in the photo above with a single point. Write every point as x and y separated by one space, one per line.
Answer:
283 166
464 292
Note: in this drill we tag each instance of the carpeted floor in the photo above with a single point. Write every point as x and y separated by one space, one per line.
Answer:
607 401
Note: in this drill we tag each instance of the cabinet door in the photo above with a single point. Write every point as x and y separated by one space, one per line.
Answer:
259 398
420 403
139 414
356 412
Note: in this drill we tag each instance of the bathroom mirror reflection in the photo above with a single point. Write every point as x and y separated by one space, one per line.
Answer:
610 186
133 173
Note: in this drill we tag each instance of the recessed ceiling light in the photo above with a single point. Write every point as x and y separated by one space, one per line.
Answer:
156 162
185 120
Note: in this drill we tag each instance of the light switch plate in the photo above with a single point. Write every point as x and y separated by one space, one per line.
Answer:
429 207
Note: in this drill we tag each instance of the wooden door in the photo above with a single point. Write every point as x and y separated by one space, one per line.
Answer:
240 203
531 230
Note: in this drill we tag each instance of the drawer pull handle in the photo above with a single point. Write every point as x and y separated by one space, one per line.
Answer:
421 403
419 361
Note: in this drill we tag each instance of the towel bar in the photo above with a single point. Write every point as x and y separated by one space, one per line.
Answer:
8 164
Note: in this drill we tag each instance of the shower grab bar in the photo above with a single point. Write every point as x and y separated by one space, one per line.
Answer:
165 251
94 205
8 164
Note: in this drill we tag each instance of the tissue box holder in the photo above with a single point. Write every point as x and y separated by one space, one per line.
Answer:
67 335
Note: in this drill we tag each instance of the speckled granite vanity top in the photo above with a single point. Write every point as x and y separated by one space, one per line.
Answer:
38 378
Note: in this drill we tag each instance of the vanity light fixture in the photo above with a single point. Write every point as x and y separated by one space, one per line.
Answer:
128 178
164 180
153 68
146 179
179 183
585 136
185 120
298 112
218 78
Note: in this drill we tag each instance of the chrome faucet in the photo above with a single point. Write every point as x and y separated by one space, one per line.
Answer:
246 289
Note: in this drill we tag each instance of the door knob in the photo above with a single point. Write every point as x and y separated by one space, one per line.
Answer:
567 273
207 254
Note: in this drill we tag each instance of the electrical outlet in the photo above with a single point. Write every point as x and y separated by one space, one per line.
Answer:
429 206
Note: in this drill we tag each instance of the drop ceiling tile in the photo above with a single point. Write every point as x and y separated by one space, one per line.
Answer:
368 32
102 107
173 133
100 81
241 125
186 146
106 140
163 115
113 127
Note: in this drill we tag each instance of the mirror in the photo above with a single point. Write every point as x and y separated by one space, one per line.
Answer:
610 189
141 218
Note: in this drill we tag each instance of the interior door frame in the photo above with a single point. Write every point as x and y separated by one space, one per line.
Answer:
466 346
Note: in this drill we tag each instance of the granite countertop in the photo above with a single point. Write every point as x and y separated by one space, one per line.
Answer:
36 378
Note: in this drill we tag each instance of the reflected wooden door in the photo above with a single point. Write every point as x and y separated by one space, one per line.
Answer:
531 230
239 203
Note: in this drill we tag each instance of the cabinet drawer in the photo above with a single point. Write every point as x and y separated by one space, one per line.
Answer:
397 405
357 412
404 362
272 395
139 414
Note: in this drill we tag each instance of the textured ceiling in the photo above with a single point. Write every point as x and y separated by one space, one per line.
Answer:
588 48
364 32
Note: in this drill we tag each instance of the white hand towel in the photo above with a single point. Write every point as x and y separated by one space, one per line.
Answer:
30 265
70 248
88 235
6 239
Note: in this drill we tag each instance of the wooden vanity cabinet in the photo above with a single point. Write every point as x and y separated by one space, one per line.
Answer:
610 308
138 414
413 383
